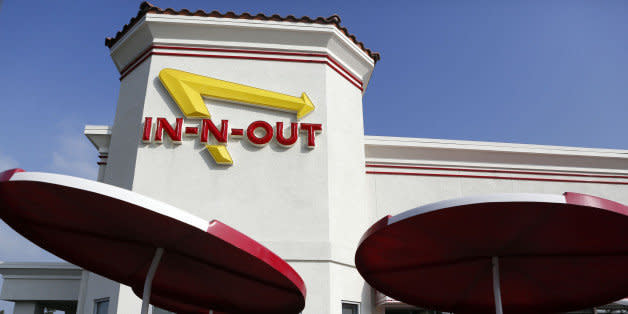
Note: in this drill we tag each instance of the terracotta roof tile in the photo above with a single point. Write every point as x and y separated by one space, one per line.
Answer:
146 7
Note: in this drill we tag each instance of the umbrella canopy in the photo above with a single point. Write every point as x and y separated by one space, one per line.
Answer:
115 233
555 253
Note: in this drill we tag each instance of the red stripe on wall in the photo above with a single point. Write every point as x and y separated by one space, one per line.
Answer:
282 53
499 171
345 70
158 53
492 177
346 78
132 63
135 65
331 62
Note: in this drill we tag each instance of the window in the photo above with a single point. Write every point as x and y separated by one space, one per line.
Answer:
101 306
157 310
350 308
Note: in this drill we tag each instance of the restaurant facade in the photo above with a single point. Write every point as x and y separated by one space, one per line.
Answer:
257 121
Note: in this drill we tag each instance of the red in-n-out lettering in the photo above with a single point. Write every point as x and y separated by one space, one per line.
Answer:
253 138
253 133
294 134
148 125
311 129
209 126
175 133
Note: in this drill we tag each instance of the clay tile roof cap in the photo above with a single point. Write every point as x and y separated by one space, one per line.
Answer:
146 7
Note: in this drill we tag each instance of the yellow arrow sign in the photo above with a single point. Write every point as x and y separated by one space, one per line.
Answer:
187 90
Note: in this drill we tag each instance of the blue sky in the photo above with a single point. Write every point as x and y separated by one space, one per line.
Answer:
539 72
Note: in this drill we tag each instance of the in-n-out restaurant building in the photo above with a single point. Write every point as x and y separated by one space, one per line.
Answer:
289 166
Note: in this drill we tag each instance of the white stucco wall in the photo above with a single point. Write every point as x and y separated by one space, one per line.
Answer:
408 173
307 205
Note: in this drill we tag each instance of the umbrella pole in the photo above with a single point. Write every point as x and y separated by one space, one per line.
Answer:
148 282
497 294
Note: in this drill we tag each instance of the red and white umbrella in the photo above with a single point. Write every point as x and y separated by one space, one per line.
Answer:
516 253
174 259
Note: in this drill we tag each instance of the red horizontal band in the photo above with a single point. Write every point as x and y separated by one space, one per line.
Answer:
282 53
132 63
499 171
331 62
135 65
492 177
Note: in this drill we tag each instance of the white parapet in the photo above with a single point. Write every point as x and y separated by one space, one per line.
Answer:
39 281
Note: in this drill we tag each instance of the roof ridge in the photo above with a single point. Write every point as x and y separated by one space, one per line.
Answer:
146 7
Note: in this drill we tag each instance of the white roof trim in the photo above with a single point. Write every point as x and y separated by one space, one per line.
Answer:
493 146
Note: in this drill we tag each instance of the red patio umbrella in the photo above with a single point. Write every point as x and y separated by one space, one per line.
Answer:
520 253
176 260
